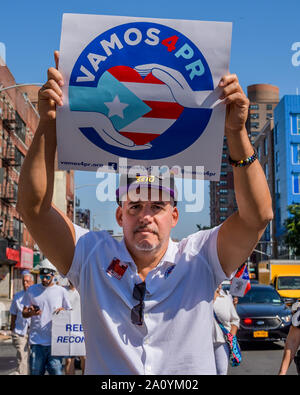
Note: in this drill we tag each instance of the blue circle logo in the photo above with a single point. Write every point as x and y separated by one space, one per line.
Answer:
140 87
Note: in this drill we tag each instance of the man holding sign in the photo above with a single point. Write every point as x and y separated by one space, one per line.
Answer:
147 301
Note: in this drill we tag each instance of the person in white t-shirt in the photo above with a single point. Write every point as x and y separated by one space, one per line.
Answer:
147 302
41 301
74 299
19 325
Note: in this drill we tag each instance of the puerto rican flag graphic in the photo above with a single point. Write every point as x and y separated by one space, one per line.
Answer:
140 107
240 284
163 112
116 268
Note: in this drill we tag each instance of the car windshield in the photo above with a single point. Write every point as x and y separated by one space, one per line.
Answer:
261 295
288 282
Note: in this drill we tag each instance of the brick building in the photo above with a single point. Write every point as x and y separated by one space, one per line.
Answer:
264 143
222 197
18 122
263 99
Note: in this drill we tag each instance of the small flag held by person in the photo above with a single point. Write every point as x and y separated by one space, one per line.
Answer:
240 284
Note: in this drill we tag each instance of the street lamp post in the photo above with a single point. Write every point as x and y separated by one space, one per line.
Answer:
17 85
5 88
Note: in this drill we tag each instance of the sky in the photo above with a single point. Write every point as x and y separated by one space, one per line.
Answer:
261 52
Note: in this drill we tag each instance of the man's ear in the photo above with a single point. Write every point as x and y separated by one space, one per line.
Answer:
175 217
119 216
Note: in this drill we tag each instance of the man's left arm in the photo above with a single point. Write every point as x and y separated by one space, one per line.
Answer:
239 234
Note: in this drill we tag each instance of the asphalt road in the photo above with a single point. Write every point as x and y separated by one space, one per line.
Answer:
261 359
258 359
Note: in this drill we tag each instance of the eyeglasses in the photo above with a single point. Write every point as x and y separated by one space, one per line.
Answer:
45 276
137 312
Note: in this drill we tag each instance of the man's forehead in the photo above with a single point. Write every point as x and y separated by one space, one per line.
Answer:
159 202
148 195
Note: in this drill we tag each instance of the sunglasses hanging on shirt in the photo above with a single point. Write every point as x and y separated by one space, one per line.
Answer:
137 312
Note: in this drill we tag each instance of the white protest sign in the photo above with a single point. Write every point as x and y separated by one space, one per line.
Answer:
67 334
142 89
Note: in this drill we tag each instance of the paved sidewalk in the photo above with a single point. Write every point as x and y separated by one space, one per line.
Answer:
8 360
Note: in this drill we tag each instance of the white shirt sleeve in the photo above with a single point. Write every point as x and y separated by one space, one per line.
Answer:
79 231
204 242
26 299
66 304
13 308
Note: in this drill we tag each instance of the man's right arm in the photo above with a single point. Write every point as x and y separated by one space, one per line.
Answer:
50 228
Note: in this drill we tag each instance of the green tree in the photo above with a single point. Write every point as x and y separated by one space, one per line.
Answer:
292 225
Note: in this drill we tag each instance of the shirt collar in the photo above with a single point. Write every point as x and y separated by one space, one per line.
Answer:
171 252
169 256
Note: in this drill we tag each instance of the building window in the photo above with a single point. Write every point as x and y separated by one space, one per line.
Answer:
276 161
20 128
15 189
296 184
223 191
295 154
269 107
255 115
223 182
223 173
254 125
254 106
258 152
223 209
266 168
19 158
17 229
223 200
266 146
269 115
295 123
222 218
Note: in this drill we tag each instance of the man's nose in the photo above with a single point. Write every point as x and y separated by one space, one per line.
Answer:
145 214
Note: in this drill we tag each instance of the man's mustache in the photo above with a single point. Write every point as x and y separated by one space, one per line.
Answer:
145 229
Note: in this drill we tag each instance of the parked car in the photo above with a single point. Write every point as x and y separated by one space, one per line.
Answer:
263 315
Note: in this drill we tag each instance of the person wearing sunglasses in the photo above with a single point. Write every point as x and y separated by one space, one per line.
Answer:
147 302
40 302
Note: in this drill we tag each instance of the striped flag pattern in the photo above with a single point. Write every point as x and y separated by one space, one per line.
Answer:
164 110
243 274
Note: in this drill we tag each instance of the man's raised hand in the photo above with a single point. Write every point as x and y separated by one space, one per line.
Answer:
50 95
236 101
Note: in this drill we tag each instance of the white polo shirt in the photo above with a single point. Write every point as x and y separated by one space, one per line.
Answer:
16 308
176 337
